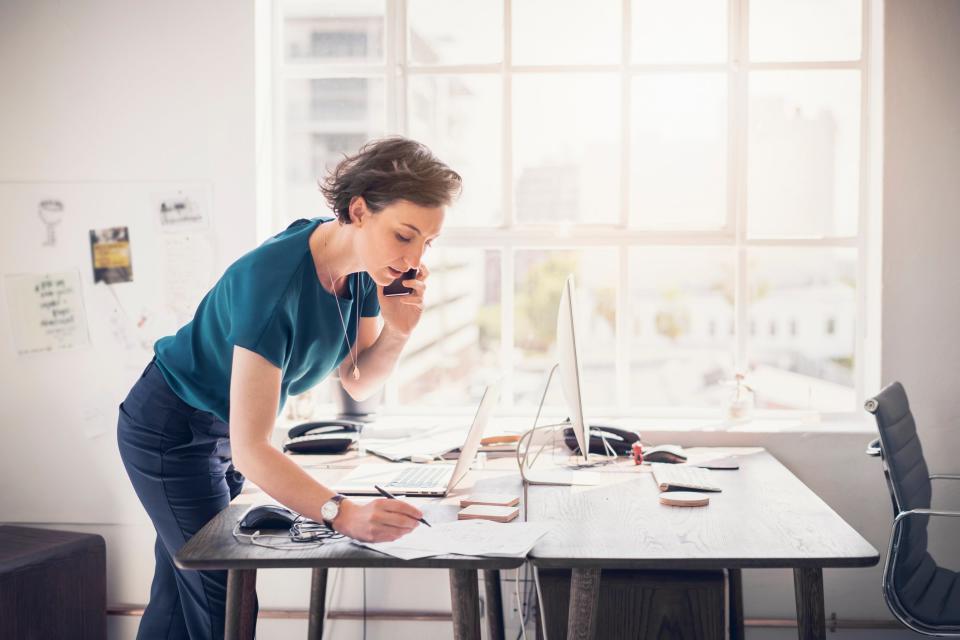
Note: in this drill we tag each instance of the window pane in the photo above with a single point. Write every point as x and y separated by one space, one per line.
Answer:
678 151
566 134
455 31
804 30
679 31
458 117
326 119
566 32
455 350
802 313
540 275
681 326
804 153
336 31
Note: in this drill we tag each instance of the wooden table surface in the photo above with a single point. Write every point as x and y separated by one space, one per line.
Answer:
764 517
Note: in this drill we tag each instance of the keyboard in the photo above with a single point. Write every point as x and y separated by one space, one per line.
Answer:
674 476
422 477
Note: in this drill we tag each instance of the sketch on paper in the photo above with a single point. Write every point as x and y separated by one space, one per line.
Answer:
51 213
46 312
183 210
110 252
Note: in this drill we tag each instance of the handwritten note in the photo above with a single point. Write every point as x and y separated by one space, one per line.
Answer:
188 271
46 311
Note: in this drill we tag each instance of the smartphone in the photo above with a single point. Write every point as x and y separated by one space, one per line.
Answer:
396 287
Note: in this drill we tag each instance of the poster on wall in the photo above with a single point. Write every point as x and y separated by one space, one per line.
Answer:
46 311
185 209
110 252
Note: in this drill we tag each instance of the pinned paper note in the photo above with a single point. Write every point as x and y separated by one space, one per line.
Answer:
46 311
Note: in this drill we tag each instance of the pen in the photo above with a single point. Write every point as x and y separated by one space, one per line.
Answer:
389 496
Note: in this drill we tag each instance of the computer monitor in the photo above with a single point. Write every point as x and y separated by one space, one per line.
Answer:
569 357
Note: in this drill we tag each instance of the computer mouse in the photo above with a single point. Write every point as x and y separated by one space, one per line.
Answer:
267 516
670 453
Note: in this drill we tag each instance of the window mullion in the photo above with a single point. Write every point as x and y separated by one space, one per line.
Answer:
507 314
739 56
859 347
622 286
395 62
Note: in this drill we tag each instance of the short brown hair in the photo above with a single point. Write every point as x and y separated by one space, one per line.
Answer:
386 170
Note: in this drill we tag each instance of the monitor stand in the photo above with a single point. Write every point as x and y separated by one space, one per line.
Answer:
565 475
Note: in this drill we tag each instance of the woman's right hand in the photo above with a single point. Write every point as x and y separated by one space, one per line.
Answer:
379 520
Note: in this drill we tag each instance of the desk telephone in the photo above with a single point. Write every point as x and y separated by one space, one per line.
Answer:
620 440
325 436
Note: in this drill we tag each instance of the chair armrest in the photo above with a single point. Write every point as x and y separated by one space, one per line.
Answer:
944 476
873 448
924 512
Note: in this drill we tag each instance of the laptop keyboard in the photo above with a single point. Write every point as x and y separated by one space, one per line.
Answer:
422 477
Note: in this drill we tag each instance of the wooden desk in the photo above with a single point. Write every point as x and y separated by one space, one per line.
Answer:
214 547
764 518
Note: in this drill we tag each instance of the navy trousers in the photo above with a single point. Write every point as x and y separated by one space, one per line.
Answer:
178 459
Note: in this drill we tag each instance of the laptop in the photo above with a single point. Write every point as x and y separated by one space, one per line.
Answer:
422 479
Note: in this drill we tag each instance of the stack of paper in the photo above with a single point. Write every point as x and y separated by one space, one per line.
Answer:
465 537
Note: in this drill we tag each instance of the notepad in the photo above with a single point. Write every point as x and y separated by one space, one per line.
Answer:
496 499
488 512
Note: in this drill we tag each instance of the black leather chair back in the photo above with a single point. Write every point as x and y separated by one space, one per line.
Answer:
909 482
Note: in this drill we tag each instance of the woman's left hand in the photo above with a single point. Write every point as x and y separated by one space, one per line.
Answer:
402 313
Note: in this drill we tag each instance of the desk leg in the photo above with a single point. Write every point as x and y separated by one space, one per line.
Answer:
584 600
808 591
465 601
735 595
241 621
318 603
494 600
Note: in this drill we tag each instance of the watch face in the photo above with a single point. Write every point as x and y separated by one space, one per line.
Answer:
329 510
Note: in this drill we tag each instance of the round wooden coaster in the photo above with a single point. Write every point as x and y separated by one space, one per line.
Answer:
684 499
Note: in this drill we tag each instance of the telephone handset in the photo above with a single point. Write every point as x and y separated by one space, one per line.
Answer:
325 436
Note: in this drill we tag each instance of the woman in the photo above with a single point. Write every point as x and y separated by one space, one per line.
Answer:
278 321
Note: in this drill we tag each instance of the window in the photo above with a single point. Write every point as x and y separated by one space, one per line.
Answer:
699 166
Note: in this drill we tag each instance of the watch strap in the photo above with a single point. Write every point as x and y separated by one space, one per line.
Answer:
338 498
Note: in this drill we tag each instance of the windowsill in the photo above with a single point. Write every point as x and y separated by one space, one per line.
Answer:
705 423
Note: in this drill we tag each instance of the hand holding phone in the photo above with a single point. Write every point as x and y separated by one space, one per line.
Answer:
396 287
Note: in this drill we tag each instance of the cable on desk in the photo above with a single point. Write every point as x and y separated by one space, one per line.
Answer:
303 532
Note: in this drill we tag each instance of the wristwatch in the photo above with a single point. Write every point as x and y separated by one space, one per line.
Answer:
331 509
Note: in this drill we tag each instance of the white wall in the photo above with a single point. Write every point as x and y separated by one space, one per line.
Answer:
113 91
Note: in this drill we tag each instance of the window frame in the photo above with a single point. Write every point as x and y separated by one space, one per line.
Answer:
510 236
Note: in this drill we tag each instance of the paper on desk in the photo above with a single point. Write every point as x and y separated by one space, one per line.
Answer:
433 443
465 537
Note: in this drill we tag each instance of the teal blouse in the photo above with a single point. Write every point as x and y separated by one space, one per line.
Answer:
269 301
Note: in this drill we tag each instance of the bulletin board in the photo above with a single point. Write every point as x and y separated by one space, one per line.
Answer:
91 275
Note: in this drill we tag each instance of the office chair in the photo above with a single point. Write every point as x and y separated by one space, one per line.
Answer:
922 595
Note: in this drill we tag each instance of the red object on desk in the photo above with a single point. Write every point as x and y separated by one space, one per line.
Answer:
637 452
